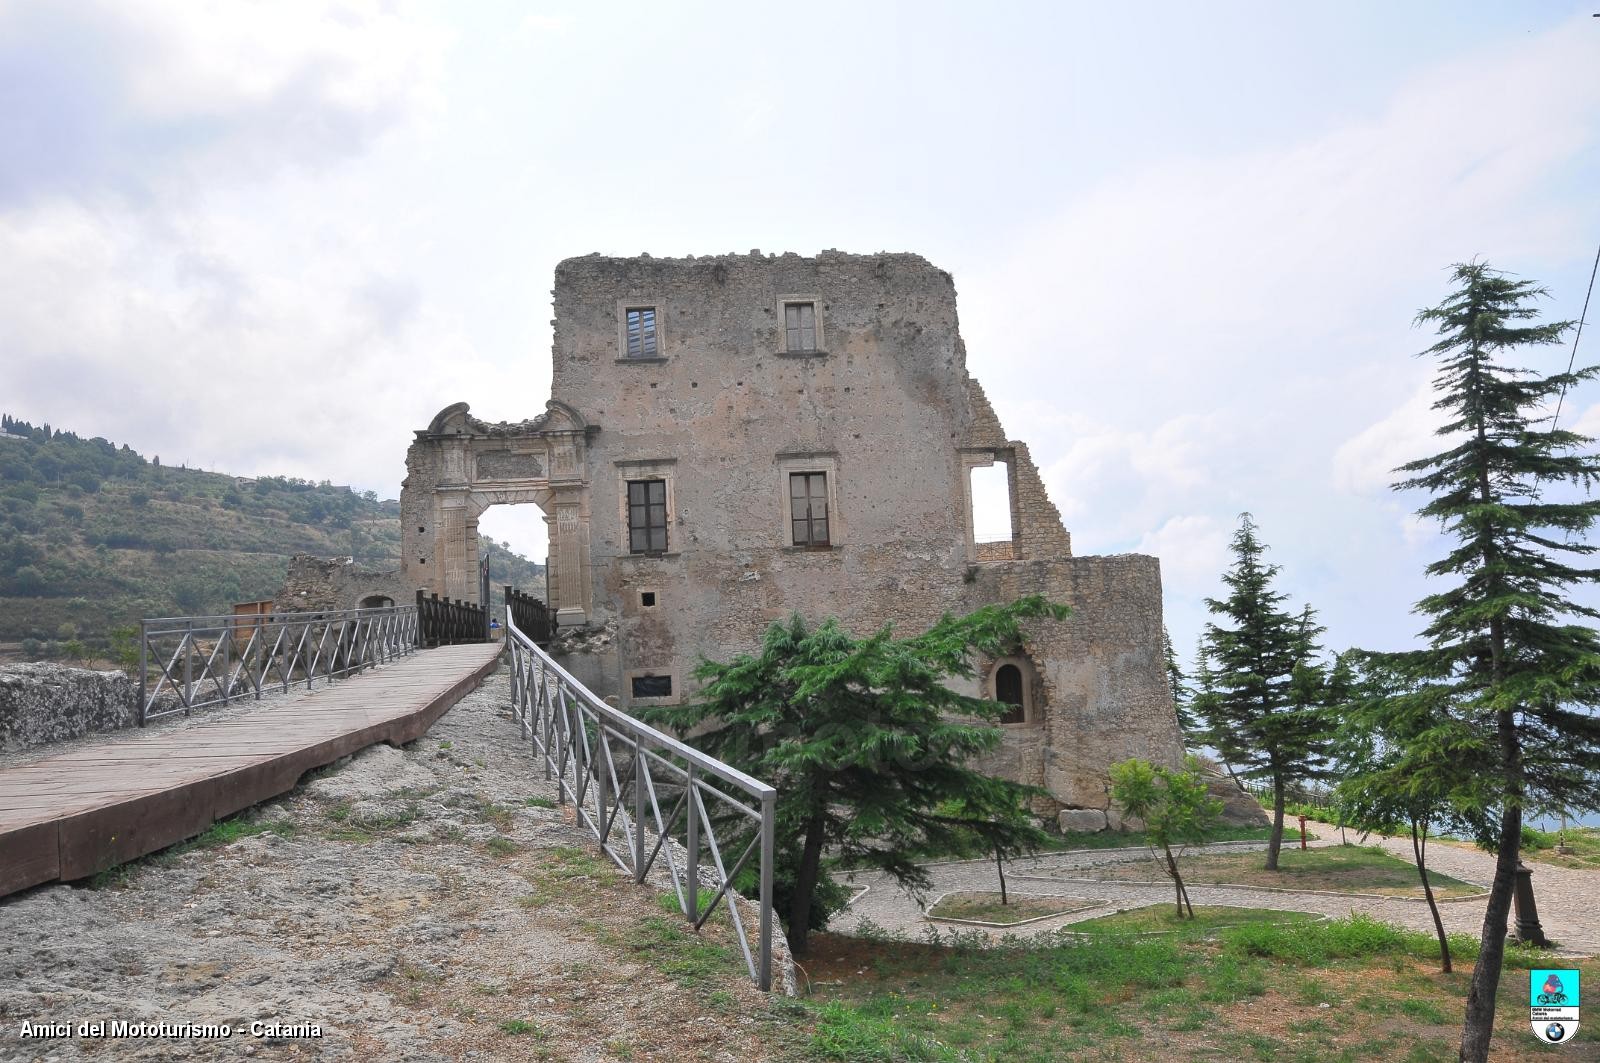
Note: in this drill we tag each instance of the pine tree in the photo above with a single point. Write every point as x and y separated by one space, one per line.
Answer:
1261 710
1178 683
1507 659
867 746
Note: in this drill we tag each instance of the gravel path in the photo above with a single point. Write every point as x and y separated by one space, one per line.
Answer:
416 905
1566 898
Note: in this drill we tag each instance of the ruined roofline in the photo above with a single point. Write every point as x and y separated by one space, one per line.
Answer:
831 256
456 420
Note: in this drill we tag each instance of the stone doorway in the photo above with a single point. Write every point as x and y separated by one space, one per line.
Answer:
459 466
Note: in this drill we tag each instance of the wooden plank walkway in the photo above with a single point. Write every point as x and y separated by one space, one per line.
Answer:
69 816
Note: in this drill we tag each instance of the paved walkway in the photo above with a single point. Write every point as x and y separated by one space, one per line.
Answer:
69 815
1566 898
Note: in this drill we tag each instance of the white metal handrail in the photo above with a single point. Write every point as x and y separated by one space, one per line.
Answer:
605 761
191 662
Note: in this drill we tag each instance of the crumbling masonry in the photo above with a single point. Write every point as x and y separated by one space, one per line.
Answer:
735 438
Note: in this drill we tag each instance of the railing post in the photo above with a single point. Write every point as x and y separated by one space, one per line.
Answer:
769 820
542 695
227 661
144 671
638 810
598 769
692 844
188 664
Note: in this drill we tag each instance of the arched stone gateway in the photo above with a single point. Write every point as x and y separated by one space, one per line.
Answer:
459 466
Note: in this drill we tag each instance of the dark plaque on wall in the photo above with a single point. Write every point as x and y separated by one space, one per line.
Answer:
504 465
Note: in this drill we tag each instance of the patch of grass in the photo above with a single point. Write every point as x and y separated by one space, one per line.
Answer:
855 1035
687 958
1163 917
1314 944
1336 868
538 802
523 1028
222 832
446 744
367 826
668 902
1050 998
1423 1011
986 907
1582 845
117 877
228 831
502 846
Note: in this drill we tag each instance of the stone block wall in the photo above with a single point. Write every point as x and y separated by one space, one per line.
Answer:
41 703
338 583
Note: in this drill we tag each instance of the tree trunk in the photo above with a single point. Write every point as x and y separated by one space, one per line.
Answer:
1419 849
1182 895
805 884
1000 869
1275 842
1478 1026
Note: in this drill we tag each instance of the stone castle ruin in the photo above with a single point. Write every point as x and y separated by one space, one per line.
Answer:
735 438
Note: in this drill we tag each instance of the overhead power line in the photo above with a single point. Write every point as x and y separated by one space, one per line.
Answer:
1572 361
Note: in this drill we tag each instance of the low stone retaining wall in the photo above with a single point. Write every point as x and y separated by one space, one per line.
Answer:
42 703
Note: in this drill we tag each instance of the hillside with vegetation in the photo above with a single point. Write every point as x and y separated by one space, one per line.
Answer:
93 537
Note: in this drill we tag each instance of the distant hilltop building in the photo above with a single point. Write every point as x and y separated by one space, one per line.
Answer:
734 438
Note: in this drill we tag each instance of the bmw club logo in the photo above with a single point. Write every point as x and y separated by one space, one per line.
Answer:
1553 997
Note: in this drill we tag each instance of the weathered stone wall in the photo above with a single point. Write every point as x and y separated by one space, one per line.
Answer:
885 407
42 703
722 412
338 583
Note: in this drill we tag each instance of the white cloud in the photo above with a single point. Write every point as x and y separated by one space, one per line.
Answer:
1366 462
1193 550
1588 423
155 99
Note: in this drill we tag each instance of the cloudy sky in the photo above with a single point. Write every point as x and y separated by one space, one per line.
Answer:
1189 239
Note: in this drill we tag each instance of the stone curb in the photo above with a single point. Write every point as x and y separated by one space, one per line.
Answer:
998 926
1067 930
1241 886
1048 853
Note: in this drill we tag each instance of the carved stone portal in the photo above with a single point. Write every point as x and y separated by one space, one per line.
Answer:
459 466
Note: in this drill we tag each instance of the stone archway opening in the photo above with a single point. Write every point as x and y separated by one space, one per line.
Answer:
523 529
459 467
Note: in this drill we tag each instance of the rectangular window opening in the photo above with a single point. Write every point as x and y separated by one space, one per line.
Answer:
647 516
647 599
800 326
641 329
652 686
808 508
991 503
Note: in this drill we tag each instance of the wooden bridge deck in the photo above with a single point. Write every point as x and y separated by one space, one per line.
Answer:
68 816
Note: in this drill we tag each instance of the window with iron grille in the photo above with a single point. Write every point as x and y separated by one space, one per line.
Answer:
1008 691
800 326
647 516
641 332
808 508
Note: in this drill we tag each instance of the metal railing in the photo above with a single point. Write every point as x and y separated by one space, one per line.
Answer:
191 662
533 616
617 773
441 622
